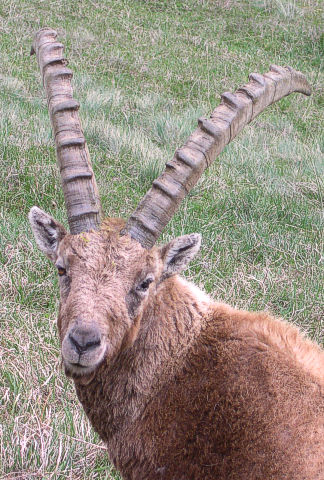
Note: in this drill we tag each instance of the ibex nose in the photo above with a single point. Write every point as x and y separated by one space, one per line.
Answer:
84 339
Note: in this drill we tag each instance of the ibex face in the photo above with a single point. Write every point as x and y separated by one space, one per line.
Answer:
107 283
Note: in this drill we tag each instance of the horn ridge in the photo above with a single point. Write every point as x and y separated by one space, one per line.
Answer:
202 147
78 182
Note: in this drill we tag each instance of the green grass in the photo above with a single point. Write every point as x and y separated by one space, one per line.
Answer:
144 72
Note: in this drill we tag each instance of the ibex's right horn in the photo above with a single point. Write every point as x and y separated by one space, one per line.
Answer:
202 147
79 185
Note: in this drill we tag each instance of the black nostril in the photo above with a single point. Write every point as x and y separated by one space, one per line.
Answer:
84 340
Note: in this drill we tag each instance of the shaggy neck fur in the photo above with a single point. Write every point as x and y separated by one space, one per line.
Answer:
166 333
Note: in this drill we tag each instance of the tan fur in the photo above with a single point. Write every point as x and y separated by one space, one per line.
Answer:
188 388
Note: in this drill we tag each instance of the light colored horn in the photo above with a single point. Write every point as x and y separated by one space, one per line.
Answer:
78 181
205 144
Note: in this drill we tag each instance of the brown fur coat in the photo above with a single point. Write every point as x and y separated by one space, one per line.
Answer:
213 394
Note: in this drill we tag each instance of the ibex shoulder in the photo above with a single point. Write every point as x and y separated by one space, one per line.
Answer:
264 332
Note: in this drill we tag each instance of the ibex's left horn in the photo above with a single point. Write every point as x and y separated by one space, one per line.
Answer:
78 182
206 142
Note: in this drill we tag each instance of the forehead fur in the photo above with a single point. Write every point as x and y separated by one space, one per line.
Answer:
106 249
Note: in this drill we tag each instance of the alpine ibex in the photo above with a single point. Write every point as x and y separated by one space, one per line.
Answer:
178 386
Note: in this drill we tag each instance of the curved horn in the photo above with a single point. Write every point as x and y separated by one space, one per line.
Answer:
78 181
206 142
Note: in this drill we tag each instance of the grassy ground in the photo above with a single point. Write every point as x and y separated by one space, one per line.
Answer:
144 72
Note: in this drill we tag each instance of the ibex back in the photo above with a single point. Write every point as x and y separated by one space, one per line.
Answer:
178 386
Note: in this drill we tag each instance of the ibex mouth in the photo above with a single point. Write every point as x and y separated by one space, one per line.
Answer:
77 369
78 365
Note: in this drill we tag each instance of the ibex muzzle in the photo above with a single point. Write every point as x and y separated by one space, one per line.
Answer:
82 347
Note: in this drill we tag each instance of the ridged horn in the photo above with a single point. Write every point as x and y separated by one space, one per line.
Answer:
78 181
181 173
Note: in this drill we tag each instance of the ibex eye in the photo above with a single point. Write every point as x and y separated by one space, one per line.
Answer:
145 285
61 271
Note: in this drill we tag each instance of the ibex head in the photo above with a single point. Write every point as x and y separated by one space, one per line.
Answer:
109 274
107 281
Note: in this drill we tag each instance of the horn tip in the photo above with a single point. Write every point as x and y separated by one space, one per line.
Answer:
299 82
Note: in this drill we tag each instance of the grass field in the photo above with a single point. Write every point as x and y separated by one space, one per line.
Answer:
144 72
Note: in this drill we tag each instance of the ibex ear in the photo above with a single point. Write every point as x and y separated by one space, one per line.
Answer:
177 254
47 232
